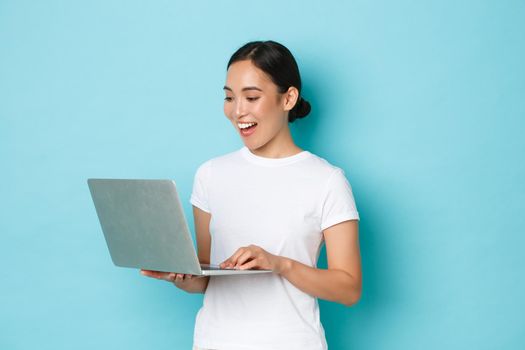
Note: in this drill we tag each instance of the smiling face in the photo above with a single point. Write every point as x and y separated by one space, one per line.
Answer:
257 110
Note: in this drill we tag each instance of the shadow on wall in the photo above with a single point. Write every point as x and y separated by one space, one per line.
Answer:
343 325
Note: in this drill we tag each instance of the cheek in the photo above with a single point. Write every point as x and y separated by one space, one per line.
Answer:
227 110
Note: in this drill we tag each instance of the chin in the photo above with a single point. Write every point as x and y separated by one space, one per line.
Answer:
255 144
250 145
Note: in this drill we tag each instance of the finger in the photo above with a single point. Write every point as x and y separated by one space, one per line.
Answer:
226 264
154 274
232 260
147 272
252 264
234 257
179 277
246 256
163 276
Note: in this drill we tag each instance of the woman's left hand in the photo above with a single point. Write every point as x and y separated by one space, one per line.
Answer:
254 257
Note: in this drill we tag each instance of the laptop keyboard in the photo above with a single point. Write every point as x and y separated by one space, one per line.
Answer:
213 267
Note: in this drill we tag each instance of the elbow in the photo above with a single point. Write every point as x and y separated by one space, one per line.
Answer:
351 301
352 297
349 292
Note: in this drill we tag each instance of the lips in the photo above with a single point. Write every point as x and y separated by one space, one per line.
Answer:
246 127
247 131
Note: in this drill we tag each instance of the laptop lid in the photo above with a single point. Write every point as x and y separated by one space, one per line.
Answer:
145 227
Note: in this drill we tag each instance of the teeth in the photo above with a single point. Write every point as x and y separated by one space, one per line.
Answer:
245 125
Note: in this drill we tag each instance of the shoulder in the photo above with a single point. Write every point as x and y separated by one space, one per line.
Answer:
322 167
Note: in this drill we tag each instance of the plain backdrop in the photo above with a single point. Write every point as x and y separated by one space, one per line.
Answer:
421 103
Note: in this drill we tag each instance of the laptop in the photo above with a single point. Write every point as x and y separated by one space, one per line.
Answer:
144 226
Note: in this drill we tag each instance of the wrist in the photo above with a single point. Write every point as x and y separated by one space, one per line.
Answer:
284 265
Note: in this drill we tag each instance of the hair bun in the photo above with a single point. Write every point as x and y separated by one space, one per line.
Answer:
301 109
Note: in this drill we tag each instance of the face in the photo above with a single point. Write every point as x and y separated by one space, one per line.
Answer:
255 107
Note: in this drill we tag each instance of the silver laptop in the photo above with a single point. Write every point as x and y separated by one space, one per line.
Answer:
145 227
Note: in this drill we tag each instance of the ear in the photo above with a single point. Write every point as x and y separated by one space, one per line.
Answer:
290 98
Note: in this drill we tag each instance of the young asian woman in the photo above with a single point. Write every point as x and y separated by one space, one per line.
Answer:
270 205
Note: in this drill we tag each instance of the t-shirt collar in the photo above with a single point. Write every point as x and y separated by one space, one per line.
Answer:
264 161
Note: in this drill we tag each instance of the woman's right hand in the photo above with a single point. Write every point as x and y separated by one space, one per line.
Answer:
181 280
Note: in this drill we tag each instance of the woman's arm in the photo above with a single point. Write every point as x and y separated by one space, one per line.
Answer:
341 282
190 283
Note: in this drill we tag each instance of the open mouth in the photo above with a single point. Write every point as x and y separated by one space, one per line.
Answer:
247 129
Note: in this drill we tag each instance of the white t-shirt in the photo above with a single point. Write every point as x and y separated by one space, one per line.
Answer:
281 205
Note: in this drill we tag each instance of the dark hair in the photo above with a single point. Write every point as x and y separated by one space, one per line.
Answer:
278 62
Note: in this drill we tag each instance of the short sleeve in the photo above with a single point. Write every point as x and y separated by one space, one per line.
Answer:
201 182
338 202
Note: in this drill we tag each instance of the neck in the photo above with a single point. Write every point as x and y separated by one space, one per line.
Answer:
280 146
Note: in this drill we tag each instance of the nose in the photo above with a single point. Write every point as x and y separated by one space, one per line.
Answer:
239 108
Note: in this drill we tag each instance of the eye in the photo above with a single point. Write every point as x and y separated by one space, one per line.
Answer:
228 99
252 99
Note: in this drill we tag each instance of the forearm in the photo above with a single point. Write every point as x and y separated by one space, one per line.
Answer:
334 285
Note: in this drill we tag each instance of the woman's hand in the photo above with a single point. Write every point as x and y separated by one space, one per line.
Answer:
254 257
179 279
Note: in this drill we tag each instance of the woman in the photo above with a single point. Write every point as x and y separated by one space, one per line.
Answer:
269 205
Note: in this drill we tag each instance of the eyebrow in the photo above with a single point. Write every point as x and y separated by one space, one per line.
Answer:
247 88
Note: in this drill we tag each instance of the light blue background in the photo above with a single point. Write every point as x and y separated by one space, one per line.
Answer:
421 103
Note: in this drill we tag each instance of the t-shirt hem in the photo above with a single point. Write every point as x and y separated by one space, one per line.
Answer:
199 205
232 346
220 345
339 219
